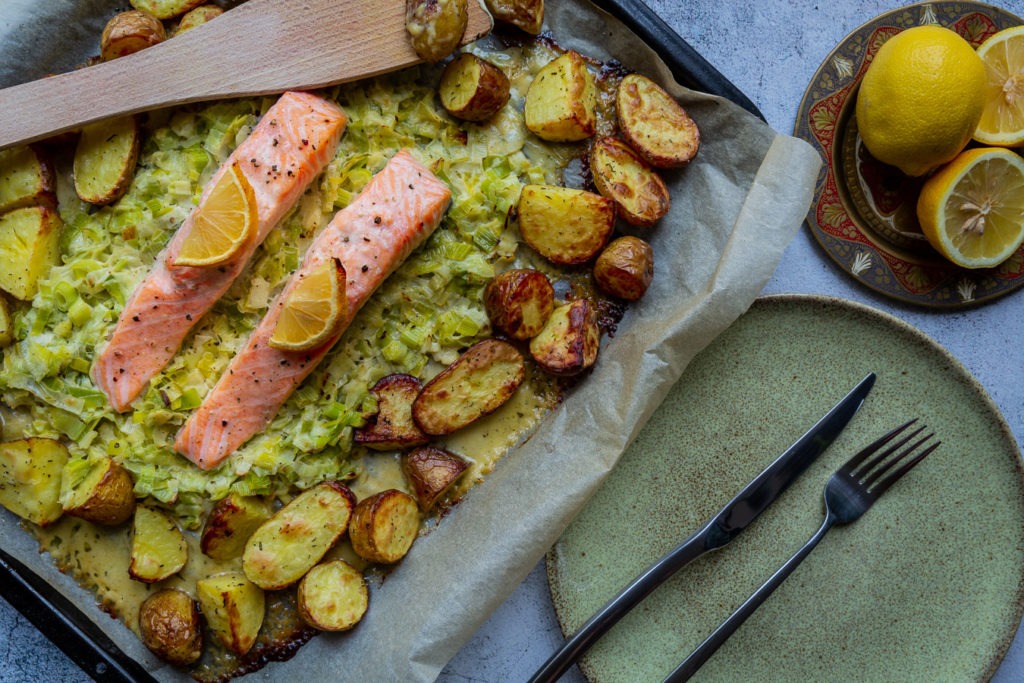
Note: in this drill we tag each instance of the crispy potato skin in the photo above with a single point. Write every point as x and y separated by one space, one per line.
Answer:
654 124
170 627
640 195
561 100
431 472
30 475
130 32
105 159
527 15
569 343
519 301
27 178
231 522
159 550
625 268
393 427
476 384
110 499
435 26
29 247
565 225
333 596
473 89
384 526
234 608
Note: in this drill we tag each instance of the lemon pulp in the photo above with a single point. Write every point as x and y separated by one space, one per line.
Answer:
223 223
312 310
1002 120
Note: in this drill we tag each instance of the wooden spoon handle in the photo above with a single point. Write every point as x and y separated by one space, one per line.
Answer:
259 47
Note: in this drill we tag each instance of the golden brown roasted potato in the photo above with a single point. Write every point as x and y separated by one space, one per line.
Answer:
130 32
568 344
159 549
473 89
165 9
561 100
291 542
527 15
101 492
431 472
234 608
564 225
384 526
519 301
435 26
625 268
170 628
231 522
29 246
197 17
476 384
26 178
654 124
6 324
639 193
105 159
30 472
333 596
393 427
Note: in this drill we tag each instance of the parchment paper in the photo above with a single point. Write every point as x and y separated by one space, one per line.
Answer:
734 210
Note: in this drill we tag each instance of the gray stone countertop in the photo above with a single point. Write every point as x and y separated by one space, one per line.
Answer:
770 50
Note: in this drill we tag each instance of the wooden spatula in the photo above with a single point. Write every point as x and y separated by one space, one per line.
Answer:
257 48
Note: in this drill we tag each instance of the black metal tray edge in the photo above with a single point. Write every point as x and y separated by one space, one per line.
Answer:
74 633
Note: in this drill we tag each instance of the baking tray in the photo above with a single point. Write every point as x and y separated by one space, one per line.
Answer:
75 633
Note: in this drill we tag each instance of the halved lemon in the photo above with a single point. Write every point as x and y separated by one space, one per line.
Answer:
972 209
223 223
1002 120
313 309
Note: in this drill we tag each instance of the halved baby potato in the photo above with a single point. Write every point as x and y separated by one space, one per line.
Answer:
565 225
435 27
129 32
159 549
29 247
30 475
165 9
393 427
234 609
105 159
333 596
101 491
654 124
569 343
197 17
639 193
561 101
27 178
431 472
384 526
519 301
527 15
231 522
473 89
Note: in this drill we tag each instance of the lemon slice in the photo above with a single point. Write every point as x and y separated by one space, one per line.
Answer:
313 309
972 209
1002 120
222 224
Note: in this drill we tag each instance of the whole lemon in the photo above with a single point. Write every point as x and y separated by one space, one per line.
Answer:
921 99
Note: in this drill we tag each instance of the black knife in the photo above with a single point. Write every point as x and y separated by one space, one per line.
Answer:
720 530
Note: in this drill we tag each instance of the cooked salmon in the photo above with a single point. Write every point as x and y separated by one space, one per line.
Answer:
396 211
289 147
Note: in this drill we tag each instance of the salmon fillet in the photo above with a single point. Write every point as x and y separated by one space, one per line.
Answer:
289 147
397 210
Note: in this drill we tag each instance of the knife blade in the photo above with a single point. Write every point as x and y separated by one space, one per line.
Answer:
732 519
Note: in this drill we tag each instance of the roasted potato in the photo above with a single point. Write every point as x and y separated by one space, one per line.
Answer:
654 124
561 100
130 32
527 15
393 427
170 627
234 608
6 324
384 526
431 472
473 89
640 195
197 17
105 159
476 384
435 27
30 473
333 596
158 549
565 225
230 523
568 344
625 268
291 542
27 178
165 9
519 301
29 246
100 491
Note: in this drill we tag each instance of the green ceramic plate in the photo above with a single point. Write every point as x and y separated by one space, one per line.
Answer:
927 586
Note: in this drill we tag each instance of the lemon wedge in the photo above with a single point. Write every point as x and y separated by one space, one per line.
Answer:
1002 119
313 309
223 223
972 209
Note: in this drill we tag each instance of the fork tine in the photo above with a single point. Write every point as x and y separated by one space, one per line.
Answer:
882 486
865 473
874 446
